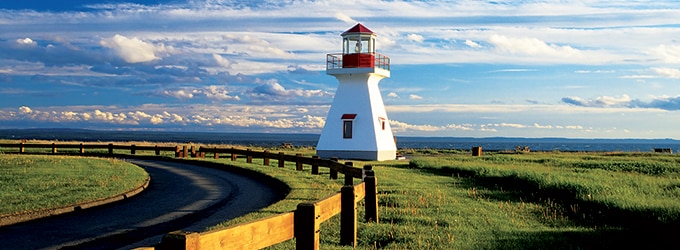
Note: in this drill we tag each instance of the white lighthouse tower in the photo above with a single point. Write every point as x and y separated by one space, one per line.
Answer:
357 126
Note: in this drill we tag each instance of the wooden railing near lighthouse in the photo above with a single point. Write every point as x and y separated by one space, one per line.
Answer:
304 223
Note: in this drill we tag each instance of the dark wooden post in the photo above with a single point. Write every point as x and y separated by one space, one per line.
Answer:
349 178
371 199
265 158
477 151
177 151
54 148
193 151
110 148
185 151
281 162
334 173
156 150
82 149
348 214
21 147
298 164
233 154
217 155
315 166
132 149
249 156
306 227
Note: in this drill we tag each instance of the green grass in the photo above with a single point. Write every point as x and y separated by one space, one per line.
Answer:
34 182
451 200
519 201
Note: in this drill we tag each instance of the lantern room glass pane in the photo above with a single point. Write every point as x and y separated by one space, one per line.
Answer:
358 44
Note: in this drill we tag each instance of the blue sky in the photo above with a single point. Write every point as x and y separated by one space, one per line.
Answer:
578 69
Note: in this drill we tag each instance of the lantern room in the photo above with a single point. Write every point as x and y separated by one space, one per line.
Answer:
358 47
358 51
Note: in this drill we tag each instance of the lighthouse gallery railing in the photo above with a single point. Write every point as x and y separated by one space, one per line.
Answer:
334 61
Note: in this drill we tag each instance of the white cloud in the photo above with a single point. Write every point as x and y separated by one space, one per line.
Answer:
221 61
667 72
414 97
26 41
180 93
531 46
601 101
472 44
211 92
667 53
134 50
345 18
219 93
25 110
415 38
272 90
393 95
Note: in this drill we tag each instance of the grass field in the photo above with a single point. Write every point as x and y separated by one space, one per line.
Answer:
539 200
534 201
450 200
34 182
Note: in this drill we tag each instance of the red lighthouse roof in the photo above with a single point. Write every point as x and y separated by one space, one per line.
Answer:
359 28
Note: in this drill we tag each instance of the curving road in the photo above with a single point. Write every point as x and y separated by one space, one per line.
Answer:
180 196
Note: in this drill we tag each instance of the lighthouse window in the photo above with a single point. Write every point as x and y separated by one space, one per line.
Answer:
347 129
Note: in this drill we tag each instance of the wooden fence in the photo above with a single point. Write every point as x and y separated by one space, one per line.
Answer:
303 223
200 152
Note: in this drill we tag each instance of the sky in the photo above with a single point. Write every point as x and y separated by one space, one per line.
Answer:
575 69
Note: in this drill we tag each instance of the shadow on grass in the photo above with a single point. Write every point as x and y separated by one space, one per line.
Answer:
608 238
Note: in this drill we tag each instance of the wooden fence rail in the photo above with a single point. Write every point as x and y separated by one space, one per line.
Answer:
303 223
193 151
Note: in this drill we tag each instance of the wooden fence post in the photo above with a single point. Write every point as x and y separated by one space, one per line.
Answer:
306 227
82 149
54 148
179 240
334 173
265 158
298 164
371 199
193 151
281 162
477 151
349 164
157 151
132 149
217 155
110 148
177 151
315 166
249 156
21 147
233 154
348 214
185 151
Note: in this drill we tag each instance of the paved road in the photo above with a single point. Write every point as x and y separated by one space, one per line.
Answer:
180 197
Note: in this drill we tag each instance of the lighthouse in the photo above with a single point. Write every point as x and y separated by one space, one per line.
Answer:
357 126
